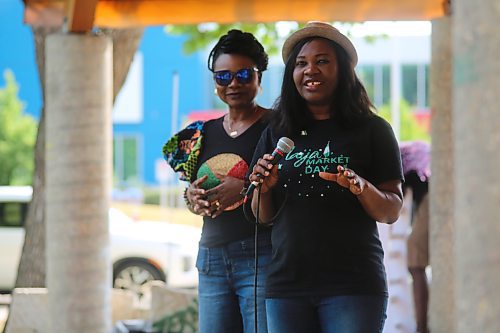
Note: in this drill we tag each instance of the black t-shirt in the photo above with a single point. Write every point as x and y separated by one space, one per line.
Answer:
230 156
324 243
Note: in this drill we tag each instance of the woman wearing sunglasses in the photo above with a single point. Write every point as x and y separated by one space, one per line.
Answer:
226 255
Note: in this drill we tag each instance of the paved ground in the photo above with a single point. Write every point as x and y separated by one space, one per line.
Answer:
4 309
146 212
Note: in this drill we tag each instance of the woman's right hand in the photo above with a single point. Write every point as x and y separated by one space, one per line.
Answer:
196 197
265 173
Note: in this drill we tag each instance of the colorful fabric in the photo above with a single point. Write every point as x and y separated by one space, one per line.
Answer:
226 164
182 150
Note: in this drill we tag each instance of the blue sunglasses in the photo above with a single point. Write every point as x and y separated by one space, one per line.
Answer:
243 76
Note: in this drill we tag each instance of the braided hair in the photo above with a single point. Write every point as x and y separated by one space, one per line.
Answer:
241 43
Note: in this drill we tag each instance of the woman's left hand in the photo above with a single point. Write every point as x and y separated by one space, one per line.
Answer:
225 194
346 178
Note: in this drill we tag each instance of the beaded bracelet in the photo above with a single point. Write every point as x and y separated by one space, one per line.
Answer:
188 203
186 200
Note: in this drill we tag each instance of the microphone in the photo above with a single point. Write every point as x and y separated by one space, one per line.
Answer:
283 147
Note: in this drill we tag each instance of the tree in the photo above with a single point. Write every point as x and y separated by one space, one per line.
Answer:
270 35
199 36
32 266
17 136
32 270
410 128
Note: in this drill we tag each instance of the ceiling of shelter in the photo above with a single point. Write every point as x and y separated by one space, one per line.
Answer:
82 15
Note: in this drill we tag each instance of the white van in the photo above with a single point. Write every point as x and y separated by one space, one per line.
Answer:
13 209
141 251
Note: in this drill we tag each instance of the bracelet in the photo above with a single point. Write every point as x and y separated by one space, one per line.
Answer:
186 200
188 204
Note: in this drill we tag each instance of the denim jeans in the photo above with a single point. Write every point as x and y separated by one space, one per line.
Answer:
336 314
226 286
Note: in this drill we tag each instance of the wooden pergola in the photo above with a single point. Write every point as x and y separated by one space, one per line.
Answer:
83 15
465 187
464 76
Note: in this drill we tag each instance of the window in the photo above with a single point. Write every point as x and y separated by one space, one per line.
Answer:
367 76
377 82
410 85
126 159
415 84
385 78
12 214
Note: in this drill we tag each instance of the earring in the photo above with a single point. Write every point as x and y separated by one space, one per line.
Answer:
215 91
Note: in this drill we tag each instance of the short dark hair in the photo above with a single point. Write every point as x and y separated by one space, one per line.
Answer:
350 101
242 43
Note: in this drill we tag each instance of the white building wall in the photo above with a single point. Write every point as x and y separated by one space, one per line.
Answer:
410 49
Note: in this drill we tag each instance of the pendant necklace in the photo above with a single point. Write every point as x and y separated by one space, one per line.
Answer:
232 132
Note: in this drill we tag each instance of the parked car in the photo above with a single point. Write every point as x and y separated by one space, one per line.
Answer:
141 251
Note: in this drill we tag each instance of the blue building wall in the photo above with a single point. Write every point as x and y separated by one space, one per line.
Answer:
17 53
162 57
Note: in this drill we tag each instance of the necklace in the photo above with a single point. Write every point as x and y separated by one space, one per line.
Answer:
234 132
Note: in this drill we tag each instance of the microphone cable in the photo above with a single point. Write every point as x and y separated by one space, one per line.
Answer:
256 263
256 243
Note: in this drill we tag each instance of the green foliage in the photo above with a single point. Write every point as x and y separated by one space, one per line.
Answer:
271 35
410 129
17 137
152 196
183 321
200 36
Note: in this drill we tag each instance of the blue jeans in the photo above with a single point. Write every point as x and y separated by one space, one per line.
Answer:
337 314
226 286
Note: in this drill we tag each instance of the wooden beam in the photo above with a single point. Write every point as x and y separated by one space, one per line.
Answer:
48 14
80 15
123 13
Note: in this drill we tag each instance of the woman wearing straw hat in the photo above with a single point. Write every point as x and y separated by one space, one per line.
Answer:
325 196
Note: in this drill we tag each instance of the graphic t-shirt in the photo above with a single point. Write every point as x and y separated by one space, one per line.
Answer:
230 156
324 243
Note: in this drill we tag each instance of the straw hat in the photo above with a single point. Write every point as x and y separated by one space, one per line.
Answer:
320 29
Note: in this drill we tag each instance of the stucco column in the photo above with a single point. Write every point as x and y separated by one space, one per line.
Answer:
476 136
441 300
79 87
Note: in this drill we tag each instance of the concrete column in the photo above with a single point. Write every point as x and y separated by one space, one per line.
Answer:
79 83
442 186
476 135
